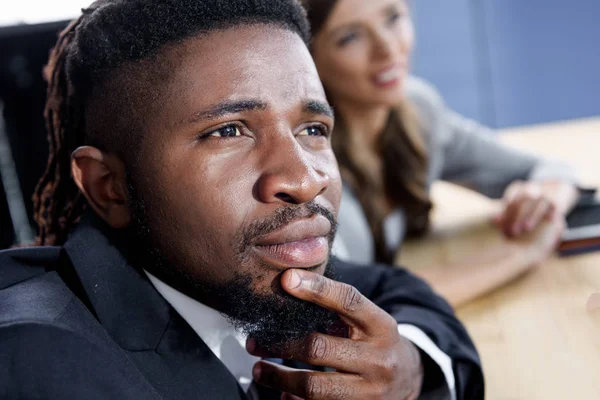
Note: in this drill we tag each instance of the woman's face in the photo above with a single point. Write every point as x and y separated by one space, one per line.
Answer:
363 51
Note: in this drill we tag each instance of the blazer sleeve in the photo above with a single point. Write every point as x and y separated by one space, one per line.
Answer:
467 153
411 301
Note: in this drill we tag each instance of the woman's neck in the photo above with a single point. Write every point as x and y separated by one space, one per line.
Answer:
368 122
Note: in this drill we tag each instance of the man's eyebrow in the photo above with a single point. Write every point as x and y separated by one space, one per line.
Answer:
318 107
227 107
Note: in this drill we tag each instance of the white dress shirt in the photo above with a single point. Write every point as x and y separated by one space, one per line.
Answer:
229 345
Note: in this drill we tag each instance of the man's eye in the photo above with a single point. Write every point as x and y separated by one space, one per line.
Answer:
225 132
314 131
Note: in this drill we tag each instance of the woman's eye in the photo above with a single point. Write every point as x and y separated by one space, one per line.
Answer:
392 19
225 132
344 40
314 131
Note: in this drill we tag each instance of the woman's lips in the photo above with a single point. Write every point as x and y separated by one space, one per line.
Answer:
390 76
300 244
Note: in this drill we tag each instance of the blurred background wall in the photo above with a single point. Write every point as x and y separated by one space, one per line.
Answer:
23 53
500 62
511 62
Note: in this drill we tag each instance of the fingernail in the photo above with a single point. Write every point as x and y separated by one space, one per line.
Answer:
294 280
256 371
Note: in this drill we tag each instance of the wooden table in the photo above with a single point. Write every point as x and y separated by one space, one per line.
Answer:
536 337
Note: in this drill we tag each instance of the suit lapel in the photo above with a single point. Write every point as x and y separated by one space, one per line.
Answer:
160 343
126 304
183 367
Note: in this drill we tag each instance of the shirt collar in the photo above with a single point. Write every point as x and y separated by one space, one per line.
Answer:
214 329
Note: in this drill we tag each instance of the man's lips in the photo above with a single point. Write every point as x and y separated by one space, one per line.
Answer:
300 244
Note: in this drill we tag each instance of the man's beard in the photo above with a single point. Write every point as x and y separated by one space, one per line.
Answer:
272 317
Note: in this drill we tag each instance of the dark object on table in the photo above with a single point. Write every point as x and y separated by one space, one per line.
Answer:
583 229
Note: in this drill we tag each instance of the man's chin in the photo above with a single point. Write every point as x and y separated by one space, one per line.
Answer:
271 316
274 321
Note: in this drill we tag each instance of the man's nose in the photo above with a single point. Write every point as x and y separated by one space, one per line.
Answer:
290 176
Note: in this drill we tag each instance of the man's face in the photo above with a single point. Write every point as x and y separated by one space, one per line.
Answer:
236 172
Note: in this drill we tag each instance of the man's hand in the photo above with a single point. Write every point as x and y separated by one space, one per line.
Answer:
373 362
527 204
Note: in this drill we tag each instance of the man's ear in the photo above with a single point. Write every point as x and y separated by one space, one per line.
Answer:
101 178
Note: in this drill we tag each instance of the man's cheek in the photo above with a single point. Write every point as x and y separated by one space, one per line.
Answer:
333 194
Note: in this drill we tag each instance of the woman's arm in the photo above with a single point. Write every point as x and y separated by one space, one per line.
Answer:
531 188
528 203
494 266
467 153
472 157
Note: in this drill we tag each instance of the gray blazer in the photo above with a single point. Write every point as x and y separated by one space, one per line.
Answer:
460 151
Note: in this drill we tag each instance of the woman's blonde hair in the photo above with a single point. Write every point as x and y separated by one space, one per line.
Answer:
395 175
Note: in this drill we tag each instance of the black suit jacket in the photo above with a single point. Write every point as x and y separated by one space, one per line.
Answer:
79 321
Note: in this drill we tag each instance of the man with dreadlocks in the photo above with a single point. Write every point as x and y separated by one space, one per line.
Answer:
186 219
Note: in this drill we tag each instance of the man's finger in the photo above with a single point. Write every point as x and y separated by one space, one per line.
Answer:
287 396
310 385
318 349
345 300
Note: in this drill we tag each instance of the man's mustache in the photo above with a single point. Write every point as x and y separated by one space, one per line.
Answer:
282 217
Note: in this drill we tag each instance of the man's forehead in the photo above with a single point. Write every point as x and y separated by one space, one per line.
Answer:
261 62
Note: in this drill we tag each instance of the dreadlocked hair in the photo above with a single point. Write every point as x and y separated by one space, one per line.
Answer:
108 35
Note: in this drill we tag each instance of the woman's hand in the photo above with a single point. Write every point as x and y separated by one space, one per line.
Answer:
526 204
541 243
